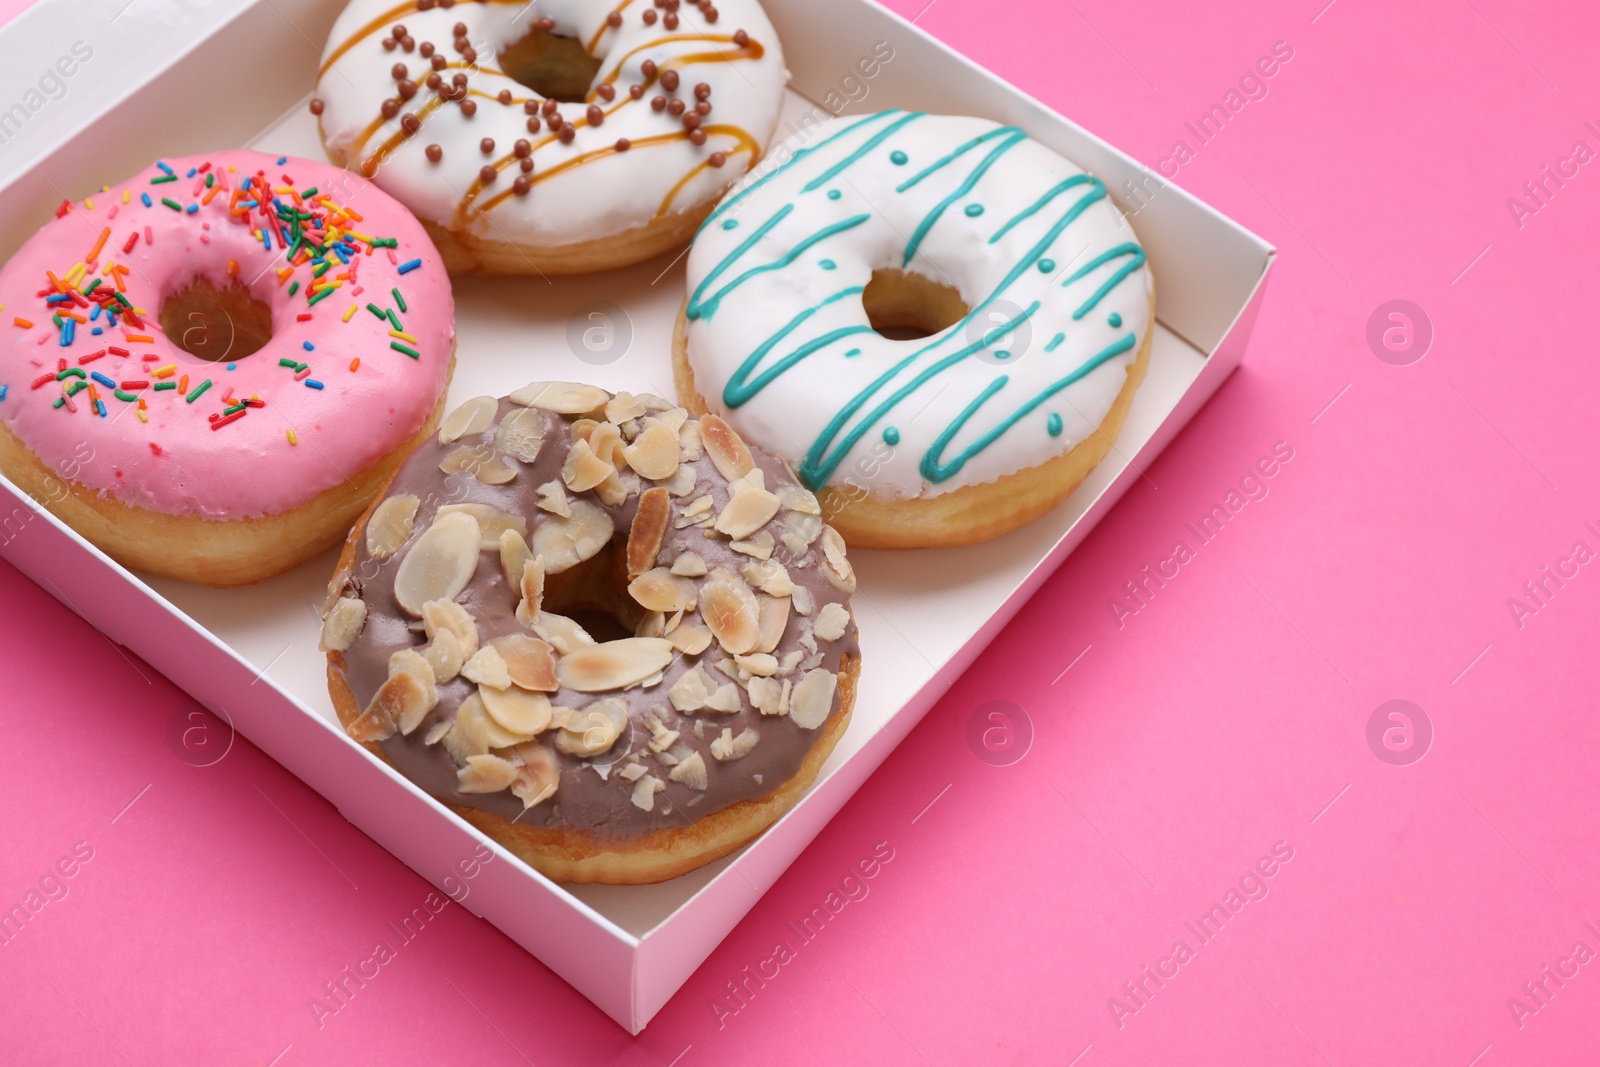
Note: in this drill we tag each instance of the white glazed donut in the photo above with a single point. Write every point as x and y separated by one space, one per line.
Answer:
643 116
1029 285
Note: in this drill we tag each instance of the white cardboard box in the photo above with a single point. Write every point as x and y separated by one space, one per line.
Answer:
250 655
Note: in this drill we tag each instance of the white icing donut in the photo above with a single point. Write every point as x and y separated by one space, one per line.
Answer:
778 338
579 189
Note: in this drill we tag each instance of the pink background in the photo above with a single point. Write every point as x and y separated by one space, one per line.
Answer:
1229 714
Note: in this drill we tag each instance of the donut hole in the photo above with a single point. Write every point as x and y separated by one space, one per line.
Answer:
595 594
904 305
215 325
555 67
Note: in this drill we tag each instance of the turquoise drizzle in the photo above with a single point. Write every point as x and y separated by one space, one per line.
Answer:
1135 256
1028 212
820 464
870 408
844 164
705 308
1009 136
730 202
741 387
935 471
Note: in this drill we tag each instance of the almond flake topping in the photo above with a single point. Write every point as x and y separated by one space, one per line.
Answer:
645 790
690 638
729 747
812 699
799 498
529 662
564 398
469 735
485 774
758 547
553 498
592 730
691 690
439 616
654 453
482 461
689 441
757 663
726 448
624 406
343 624
583 469
748 509
832 621
661 590
774 613
726 699
487 667
532 589
691 771
682 482
613 664
648 531
689 565
514 556
769 576
391 525
517 710
729 608
520 434
661 738
538 776
492 522
440 564
835 566
445 656
770 696
471 418
567 542
562 633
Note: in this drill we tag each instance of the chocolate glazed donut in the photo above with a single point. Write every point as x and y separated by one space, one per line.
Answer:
613 637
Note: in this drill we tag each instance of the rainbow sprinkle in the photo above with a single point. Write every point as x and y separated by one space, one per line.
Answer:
318 242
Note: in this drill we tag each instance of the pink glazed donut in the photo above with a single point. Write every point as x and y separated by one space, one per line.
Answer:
210 369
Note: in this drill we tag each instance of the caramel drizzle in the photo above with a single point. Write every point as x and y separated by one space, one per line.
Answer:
752 50
369 165
594 42
746 144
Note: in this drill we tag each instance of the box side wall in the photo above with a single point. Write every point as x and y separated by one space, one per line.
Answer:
589 953
826 43
168 108
670 954
1217 261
